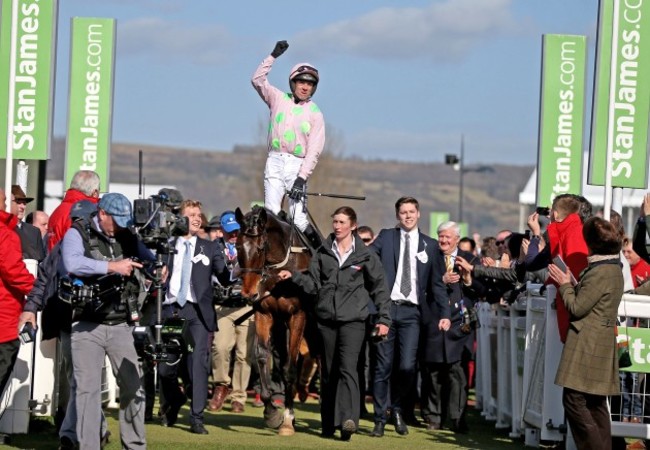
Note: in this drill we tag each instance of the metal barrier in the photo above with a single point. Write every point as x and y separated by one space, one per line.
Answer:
520 348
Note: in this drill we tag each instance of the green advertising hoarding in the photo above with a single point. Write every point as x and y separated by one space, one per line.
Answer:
32 81
561 117
90 99
435 219
623 45
639 347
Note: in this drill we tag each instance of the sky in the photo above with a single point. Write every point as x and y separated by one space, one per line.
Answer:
399 80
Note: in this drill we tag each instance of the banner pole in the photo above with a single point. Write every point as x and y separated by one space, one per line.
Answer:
11 104
607 204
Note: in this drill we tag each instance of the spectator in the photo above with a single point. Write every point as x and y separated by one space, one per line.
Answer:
414 276
345 276
214 229
15 283
84 186
39 219
189 296
366 234
296 138
30 237
566 240
240 338
468 245
588 369
639 267
445 354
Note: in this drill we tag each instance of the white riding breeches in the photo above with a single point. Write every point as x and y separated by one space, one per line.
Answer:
279 174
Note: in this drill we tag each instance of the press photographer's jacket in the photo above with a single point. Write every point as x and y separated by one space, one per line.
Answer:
85 253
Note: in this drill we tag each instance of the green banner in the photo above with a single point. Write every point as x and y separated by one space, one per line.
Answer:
628 50
90 100
435 219
464 229
32 80
639 347
561 117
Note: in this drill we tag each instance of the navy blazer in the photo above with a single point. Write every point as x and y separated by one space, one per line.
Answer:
431 290
201 282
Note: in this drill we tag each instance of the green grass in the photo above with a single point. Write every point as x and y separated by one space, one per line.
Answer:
247 430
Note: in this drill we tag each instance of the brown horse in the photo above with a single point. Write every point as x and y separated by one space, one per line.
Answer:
265 246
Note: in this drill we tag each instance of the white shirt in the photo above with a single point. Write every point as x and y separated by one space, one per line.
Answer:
175 280
341 257
395 294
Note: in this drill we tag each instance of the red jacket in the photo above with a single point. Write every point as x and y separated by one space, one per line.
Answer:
566 240
15 280
60 218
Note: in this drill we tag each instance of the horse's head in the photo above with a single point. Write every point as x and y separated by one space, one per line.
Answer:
251 250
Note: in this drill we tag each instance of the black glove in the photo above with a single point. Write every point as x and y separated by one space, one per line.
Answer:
297 190
280 48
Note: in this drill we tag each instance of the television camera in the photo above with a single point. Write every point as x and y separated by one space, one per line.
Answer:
157 219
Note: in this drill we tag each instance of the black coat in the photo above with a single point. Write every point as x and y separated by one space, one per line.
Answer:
343 293
31 242
448 346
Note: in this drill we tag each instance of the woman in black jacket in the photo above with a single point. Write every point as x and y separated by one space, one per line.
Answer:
345 276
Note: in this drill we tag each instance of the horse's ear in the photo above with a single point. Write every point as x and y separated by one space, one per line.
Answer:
263 217
239 216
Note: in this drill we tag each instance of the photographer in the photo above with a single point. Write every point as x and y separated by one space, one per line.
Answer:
189 297
102 325
230 307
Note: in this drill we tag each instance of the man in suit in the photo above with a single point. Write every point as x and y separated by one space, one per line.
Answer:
189 297
414 277
446 354
31 240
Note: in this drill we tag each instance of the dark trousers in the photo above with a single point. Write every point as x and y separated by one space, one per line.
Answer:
403 333
339 380
8 355
588 417
197 367
444 392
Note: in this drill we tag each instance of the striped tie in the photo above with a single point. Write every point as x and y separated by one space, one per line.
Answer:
405 284
186 271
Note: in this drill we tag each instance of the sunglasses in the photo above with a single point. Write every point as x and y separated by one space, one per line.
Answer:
306 68
500 242
366 240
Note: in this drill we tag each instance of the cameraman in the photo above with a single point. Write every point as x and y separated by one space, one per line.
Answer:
230 307
102 326
189 297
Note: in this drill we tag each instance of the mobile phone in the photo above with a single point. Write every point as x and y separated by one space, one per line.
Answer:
527 235
559 262
27 333
543 210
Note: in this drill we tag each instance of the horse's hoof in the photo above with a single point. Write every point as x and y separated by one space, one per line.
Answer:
286 430
273 420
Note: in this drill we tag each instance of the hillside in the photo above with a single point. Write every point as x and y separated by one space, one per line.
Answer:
225 180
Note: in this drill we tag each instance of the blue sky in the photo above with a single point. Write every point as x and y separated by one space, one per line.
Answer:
399 80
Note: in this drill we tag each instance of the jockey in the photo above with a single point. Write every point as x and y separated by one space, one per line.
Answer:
296 138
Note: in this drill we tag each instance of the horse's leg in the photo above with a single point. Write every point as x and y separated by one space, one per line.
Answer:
263 325
296 325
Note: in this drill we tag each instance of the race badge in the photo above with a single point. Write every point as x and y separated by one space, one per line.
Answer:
422 257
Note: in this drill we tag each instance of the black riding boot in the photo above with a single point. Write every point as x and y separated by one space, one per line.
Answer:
313 237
